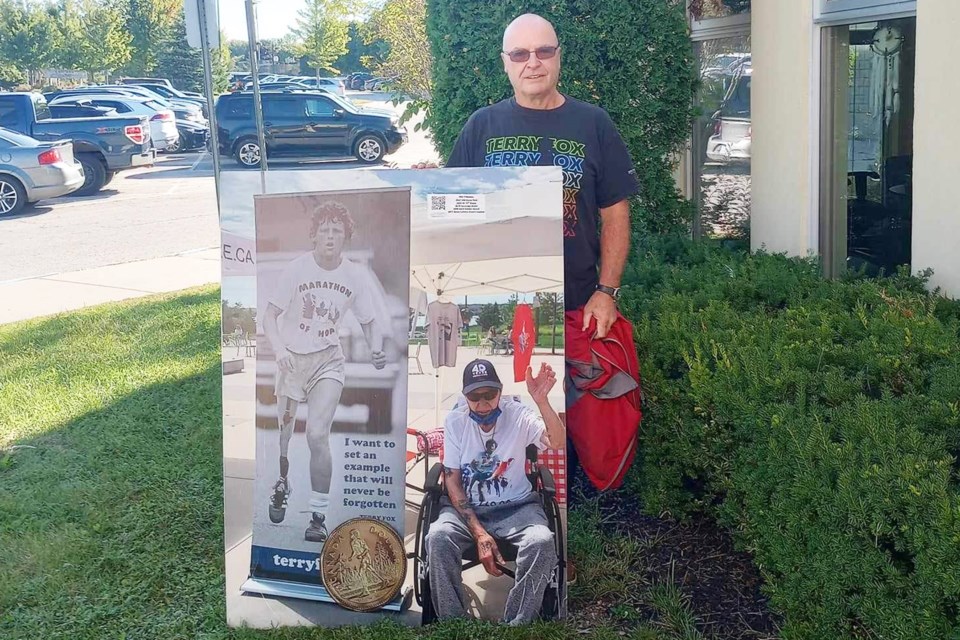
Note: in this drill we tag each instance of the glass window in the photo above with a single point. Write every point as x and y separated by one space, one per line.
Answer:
706 9
319 107
864 9
722 138
867 146
242 108
119 106
282 107
8 113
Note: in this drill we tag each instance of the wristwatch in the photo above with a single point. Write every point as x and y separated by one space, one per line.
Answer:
613 292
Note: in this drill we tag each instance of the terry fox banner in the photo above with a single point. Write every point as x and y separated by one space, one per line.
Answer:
332 304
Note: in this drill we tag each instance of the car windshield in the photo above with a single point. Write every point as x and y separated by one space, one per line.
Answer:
343 102
17 139
153 104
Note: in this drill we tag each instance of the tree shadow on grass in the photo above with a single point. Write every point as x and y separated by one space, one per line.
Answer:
113 523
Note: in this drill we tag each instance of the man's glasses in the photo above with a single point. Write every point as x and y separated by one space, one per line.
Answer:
477 396
542 53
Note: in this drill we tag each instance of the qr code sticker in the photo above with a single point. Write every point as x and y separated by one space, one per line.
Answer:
438 203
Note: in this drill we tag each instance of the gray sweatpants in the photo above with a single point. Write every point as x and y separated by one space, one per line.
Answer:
522 523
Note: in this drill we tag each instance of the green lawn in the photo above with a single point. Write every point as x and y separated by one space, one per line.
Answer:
111 491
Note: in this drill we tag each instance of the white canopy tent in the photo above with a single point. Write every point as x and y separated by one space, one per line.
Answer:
501 254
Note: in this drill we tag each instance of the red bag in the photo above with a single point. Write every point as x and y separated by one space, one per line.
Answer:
603 398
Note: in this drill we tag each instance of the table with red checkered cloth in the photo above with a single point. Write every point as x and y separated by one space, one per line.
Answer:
556 461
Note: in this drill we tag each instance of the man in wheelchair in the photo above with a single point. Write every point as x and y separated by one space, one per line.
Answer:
489 497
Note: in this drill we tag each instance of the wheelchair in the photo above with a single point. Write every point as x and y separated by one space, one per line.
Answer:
543 485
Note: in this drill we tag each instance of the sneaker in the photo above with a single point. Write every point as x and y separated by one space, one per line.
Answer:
317 531
278 501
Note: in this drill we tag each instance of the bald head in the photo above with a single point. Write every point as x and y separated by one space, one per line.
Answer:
531 58
528 26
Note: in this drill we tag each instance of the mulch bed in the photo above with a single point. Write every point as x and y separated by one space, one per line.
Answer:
721 584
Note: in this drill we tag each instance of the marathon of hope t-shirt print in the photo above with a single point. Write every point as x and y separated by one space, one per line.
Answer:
582 140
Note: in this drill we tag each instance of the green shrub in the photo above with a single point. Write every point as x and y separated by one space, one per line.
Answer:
632 57
818 420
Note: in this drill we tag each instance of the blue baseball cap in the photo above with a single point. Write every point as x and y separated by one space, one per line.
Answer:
480 374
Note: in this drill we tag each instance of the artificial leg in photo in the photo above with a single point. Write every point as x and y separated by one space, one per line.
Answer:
322 403
287 418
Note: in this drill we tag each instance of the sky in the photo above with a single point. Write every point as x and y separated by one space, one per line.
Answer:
274 17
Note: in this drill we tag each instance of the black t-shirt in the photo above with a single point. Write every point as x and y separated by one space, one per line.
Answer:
582 140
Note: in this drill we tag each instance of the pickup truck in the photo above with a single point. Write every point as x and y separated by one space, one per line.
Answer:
103 145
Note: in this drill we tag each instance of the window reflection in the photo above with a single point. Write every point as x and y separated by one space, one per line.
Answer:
873 141
722 139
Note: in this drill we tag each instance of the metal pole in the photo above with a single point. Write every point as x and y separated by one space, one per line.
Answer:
553 338
257 106
208 89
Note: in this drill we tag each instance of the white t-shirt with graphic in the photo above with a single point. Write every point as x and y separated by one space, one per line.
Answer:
493 475
314 301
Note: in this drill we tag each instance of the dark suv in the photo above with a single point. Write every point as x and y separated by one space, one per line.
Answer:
305 124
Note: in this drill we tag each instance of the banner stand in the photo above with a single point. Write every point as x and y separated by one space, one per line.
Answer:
315 592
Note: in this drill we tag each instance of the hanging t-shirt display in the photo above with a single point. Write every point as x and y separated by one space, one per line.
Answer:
524 337
443 333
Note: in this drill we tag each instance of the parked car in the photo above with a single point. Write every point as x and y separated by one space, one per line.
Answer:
175 94
103 145
306 125
280 86
355 80
163 122
31 170
162 81
333 85
192 129
134 91
732 137
81 111
376 84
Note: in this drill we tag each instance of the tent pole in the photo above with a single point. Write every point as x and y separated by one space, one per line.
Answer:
438 376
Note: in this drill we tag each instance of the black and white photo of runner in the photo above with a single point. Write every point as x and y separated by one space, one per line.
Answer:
332 309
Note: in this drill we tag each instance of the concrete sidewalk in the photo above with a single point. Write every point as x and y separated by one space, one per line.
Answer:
55 293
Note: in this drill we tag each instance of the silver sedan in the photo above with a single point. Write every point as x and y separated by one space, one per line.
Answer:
31 170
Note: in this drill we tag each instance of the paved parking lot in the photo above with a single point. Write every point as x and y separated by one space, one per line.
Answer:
165 210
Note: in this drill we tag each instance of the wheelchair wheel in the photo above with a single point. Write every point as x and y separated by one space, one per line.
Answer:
429 510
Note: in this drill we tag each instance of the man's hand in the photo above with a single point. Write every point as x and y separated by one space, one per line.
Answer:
602 308
425 165
489 554
284 360
379 359
539 387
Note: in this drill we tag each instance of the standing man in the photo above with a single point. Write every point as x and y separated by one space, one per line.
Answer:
539 126
303 322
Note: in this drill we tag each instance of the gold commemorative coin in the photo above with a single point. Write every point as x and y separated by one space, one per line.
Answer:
363 564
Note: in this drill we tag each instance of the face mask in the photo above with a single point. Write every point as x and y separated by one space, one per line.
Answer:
488 419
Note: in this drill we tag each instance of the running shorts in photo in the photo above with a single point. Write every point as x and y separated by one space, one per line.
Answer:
308 369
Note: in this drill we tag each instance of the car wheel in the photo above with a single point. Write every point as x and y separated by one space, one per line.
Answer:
248 153
369 149
178 145
110 175
94 174
13 197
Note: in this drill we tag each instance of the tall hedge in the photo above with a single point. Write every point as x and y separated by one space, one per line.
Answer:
632 57
819 421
